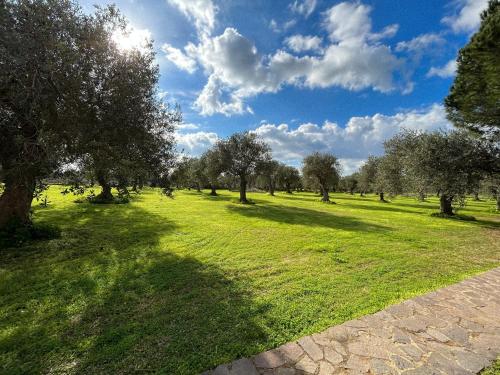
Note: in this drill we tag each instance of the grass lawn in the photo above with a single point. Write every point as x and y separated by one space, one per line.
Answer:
179 285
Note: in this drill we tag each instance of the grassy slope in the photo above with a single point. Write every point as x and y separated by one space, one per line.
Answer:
179 285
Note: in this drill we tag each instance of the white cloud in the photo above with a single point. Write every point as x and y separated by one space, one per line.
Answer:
210 100
187 126
303 7
195 144
201 12
361 137
420 43
467 15
300 43
179 58
348 21
275 27
446 71
355 59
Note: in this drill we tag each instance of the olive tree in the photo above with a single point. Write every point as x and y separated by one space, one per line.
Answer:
350 183
368 174
322 169
389 176
241 153
268 168
288 178
213 165
45 58
450 163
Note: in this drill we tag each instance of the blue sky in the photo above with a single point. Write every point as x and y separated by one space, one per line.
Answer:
306 75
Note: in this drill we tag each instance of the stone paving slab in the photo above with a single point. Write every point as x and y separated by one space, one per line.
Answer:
454 330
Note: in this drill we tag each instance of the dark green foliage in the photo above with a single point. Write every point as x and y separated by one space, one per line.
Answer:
449 163
321 170
368 174
288 178
474 99
241 153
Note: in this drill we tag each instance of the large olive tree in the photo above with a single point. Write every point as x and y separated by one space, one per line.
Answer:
241 153
450 163
46 60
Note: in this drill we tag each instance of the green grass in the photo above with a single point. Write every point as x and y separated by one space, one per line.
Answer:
179 285
494 369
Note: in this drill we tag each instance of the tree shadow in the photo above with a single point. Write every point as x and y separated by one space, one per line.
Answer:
307 217
108 298
383 206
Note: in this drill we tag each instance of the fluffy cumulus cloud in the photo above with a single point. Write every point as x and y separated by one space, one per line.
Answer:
303 7
355 59
179 58
445 71
200 12
301 43
466 17
196 143
361 137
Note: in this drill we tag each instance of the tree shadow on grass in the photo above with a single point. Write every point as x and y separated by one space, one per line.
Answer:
107 298
379 206
307 217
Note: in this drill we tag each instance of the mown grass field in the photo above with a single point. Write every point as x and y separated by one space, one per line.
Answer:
179 285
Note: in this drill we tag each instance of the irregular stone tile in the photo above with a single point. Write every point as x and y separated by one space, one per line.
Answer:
455 330
401 363
435 334
399 336
338 333
325 368
291 351
221 370
243 367
338 347
358 363
321 339
439 362
457 334
470 361
422 370
412 351
269 359
379 366
307 365
411 324
332 356
311 348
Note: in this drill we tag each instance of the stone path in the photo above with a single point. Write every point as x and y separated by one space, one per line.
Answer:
454 330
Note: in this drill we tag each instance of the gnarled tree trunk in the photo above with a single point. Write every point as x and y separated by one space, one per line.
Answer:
15 202
271 187
445 204
213 192
288 188
243 189
105 195
326 196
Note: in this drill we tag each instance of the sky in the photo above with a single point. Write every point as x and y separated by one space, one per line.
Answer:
305 75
